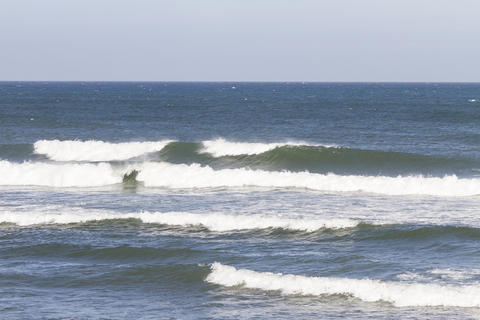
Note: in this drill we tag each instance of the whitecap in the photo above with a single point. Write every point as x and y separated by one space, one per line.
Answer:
94 150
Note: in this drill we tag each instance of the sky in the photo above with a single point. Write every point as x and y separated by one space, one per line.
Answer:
248 40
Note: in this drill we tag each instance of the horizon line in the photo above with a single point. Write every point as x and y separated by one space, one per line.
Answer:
230 81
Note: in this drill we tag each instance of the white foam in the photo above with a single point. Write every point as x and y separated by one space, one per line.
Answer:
228 222
58 175
93 150
455 274
412 276
196 176
441 274
397 293
221 147
213 221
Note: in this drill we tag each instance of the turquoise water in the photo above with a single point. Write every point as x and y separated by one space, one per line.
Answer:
239 200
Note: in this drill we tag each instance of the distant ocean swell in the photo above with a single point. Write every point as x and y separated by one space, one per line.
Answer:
399 294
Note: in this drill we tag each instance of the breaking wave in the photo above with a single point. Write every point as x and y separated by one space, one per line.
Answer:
222 154
58 175
196 176
92 150
167 175
400 294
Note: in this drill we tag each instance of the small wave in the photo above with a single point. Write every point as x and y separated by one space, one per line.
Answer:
213 221
397 293
221 147
93 150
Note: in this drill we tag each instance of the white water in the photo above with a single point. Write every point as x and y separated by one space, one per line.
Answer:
58 175
196 176
399 294
221 147
93 150
442 274
455 274
166 175
213 221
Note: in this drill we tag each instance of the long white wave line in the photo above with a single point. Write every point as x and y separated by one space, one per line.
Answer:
196 176
399 294
167 175
217 222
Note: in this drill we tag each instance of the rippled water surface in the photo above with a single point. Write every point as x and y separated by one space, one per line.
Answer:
239 200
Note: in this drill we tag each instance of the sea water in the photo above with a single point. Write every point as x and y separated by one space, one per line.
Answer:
239 200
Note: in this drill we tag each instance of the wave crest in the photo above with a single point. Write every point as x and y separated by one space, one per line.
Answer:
58 175
221 147
93 150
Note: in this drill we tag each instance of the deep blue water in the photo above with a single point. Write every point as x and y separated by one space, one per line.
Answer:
176 200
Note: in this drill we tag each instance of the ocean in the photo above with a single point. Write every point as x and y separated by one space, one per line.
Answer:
171 200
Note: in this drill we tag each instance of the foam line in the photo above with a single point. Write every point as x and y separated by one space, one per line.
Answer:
213 221
92 150
400 294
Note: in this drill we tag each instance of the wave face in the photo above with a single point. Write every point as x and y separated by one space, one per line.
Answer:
167 175
397 293
92 150
318 159
213 221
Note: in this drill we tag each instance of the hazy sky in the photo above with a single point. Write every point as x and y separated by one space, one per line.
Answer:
247 40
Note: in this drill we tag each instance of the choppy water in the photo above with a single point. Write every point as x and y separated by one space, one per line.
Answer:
239 200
